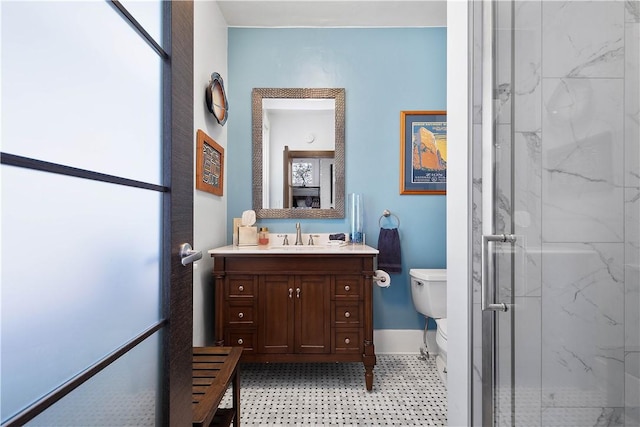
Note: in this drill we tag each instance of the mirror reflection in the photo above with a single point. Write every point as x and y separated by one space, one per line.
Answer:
308 180
298 153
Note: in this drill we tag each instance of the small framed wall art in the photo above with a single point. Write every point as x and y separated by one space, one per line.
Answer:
423 152
209 164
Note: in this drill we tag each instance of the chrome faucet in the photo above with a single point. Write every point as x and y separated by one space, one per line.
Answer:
298 234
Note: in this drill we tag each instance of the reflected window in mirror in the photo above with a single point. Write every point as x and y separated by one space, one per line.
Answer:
303 172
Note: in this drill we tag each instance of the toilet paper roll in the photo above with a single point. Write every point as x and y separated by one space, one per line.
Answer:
382 279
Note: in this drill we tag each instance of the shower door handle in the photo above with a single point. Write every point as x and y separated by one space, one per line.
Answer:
487 284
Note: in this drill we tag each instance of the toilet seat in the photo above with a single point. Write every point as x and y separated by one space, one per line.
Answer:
441 338
442 328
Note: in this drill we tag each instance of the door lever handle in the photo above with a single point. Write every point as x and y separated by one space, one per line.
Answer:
188 255
486 283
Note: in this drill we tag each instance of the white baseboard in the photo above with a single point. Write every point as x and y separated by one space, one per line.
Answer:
398 341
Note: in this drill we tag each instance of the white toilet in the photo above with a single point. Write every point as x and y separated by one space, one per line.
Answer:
429 295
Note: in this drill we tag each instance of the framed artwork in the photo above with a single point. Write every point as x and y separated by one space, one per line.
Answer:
209 164
423 152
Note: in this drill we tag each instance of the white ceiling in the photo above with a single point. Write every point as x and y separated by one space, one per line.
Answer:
334 13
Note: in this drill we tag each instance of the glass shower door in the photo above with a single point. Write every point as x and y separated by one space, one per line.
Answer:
556 166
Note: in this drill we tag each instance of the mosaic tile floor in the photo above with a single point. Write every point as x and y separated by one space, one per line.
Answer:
406 392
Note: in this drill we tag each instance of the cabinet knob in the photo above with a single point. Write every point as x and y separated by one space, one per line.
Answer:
298 292
240 341
347 340
241 315
347 288
290 292
347 314
240 288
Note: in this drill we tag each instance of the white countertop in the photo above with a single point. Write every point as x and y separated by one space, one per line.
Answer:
347 249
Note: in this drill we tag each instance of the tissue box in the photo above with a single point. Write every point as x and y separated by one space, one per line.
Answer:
247 236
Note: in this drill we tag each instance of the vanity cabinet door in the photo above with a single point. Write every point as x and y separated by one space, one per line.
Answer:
276 318
313 314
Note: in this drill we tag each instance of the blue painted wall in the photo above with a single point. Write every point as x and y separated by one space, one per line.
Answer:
383 71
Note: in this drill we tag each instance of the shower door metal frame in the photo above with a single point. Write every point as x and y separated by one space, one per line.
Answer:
493 312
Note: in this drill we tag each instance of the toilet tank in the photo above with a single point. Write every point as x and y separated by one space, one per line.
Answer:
429 292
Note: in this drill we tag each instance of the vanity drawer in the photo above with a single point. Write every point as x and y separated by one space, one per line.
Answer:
346 313
241 286
240 313
346 340
246 338
347 287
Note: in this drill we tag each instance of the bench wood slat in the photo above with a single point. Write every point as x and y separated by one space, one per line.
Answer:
211 351
202 381
209 358
207 373
207 365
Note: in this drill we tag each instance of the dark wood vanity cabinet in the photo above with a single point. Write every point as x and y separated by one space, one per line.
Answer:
294 314
296 307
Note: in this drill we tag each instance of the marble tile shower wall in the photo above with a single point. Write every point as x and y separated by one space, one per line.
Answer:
576 189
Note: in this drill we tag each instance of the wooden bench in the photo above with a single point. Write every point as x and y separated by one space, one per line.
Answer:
214 368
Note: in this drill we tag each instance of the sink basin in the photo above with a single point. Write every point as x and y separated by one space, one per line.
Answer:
298 247
321 243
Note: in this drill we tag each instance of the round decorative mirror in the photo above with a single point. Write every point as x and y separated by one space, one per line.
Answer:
216 97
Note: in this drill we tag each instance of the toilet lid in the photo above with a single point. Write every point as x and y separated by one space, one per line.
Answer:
442 327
